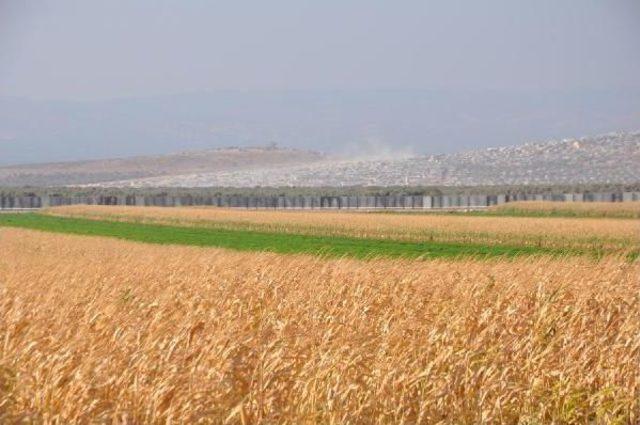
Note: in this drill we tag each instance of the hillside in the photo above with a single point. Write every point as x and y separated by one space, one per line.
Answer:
606 159
611 158
217 160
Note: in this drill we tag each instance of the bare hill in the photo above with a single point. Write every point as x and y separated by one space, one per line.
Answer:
607 159
104 171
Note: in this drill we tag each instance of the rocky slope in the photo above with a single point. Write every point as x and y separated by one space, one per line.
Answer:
611 158
160 166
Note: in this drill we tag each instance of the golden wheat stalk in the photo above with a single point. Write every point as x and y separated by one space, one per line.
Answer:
115 332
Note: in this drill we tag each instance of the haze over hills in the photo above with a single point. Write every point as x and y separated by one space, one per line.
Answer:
611 158
344 122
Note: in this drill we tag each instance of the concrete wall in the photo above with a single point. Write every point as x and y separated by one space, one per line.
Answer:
312 201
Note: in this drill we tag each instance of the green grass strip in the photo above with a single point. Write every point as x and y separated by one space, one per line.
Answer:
244 240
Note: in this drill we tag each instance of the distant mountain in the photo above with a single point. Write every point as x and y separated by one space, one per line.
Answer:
342 122
216 160
611 158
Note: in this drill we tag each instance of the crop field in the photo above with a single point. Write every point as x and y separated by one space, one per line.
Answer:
594 234
158 315
245 240
569 209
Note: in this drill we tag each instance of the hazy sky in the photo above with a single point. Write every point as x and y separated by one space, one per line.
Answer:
90 49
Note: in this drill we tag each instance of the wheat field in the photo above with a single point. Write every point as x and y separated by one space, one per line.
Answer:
583 209
97 330
563 233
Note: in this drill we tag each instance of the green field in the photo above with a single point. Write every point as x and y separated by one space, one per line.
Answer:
245 240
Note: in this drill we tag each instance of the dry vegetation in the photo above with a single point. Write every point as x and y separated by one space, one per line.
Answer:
116 332
588 209
611 234
104 170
